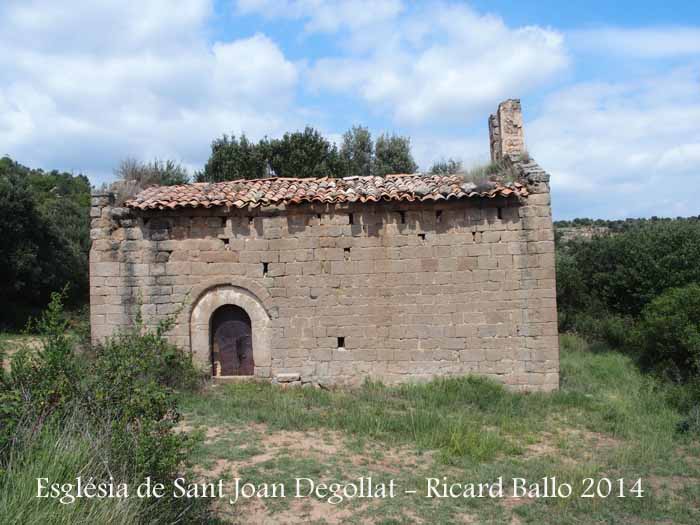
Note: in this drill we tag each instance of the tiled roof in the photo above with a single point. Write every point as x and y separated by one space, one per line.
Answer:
272 191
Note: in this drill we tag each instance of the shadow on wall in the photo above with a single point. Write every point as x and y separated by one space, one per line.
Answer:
364 220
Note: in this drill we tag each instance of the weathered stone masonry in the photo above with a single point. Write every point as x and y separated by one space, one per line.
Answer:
337 292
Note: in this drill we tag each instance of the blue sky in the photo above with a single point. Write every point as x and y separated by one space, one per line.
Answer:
610 90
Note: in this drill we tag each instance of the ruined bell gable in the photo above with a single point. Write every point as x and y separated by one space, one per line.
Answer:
332 281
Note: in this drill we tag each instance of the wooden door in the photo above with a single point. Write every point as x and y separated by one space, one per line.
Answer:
232 343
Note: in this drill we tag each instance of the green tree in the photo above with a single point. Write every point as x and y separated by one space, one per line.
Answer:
447 167
307 153
357 152
392 154
44 226
668 335
628 270
303 154
604 283
236 158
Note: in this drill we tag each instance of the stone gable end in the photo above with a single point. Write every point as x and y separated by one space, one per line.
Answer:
339 292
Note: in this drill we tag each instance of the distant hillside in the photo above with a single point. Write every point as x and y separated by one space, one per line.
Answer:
582 228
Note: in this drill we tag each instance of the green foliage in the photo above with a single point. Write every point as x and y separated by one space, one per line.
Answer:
60 452
10 409
392 154
447 167
45 227
124 391
668 333
235 158
638 290
307 154
303 154
48 377
357 152
622 273
133 377
298 154
619 225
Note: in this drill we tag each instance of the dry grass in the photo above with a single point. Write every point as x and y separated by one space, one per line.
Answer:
607 421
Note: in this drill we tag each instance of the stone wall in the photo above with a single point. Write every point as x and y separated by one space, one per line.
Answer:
506 134
337 293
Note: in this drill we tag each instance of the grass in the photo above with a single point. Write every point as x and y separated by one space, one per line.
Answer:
608 420
60 454
15 337
11 342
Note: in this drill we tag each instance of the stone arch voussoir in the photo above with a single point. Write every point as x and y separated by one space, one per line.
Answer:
208 297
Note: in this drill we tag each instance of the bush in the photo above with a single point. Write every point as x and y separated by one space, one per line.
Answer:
124 391
601 328
133 379
60 452
45 230
48 378
668 334
624 272
10 410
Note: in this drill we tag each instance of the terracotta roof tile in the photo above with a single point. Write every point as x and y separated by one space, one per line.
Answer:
273 191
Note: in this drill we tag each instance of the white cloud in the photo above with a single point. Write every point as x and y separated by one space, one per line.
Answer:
253 69
651 42
106 26
326 16
470 149
443 62
684 158
623 149
87 85
421 62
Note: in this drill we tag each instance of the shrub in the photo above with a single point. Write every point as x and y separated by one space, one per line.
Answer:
124 391
602 328
668 334
45 231
10 409
133 379
48 377
60 452
624 272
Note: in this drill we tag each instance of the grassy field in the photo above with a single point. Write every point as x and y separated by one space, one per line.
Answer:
11 342
607 421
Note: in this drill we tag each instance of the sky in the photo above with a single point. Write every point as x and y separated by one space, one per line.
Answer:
610 90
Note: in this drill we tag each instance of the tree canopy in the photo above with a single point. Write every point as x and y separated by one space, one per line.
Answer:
303 154
392 154
307 153
45 231
447 167
357 152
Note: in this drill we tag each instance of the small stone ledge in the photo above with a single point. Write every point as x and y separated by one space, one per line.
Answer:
235 379
287 378
293 380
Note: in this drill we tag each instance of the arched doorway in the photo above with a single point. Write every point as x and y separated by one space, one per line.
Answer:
211 297
231 342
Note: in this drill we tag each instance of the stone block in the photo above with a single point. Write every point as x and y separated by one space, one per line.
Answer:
288 377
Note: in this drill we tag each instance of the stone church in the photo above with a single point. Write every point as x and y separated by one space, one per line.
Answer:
330 281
